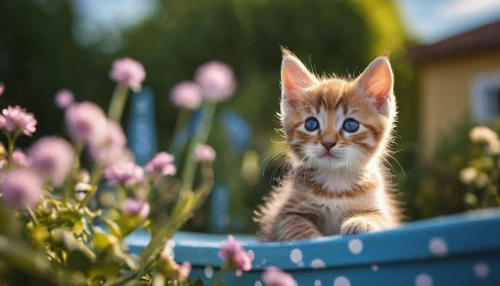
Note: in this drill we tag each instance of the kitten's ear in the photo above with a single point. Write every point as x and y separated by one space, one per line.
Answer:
377 81
294 78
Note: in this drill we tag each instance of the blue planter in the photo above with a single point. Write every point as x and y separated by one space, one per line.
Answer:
454 250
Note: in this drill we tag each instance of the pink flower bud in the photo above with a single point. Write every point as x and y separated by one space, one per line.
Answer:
187 95
216 80
129 72
21 188
231 251
19 158
63 98
124 174
272 276
162 164
205 153
136 208
53 157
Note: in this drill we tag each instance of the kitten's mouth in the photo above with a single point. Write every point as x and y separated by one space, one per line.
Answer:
329 156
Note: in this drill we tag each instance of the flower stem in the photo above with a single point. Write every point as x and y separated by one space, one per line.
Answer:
12 144
200 137
118 101
96 173
70 183
223 270
96 176
182 119
32 216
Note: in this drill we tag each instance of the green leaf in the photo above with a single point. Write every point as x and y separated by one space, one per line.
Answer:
107 270
39 234
198 282
103 240
113 228
79 260
78 227
64 239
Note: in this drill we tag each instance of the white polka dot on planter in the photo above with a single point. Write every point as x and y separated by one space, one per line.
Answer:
341 281
209 271
317 263
375 267
355 246
423 279
258 283
251 255
481 270
317 283
296 255
438 246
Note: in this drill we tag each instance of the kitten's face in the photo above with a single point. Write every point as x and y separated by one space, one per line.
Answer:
334 123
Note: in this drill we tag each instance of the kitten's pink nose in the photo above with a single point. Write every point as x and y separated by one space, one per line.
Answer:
328 145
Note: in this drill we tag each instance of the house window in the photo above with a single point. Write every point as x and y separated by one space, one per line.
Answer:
485 97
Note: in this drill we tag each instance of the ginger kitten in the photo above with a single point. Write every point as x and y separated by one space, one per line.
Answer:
338 132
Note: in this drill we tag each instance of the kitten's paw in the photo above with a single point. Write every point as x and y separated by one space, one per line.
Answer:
356 225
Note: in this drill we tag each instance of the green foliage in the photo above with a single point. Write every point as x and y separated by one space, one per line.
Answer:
434 188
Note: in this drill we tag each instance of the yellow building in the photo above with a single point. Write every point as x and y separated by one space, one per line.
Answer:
458 76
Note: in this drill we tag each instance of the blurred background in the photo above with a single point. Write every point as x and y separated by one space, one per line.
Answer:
445 55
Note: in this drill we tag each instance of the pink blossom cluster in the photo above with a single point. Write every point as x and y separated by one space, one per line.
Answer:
16 120
137 208
22 188
124 174
214 81
231 252
128 72
54 166
161 164
273 276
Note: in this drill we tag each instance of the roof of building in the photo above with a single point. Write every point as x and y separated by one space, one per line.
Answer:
480 39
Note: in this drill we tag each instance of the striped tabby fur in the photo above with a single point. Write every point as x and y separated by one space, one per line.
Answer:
345 189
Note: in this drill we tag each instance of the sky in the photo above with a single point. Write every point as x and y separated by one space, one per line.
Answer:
433 20
428 20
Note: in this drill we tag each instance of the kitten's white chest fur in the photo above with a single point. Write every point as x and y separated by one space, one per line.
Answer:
335 211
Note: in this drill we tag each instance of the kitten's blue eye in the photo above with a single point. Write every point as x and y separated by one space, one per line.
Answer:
311 124
351 125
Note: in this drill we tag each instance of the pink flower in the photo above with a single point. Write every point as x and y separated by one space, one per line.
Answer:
86 122
136 208
272 276
116 136
205 153
129 72
162 164
112 149
187 94
19 158
21 188
125 174
182 271
2 88
231 251
53 157
16 119
109 154
64 98
216 80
